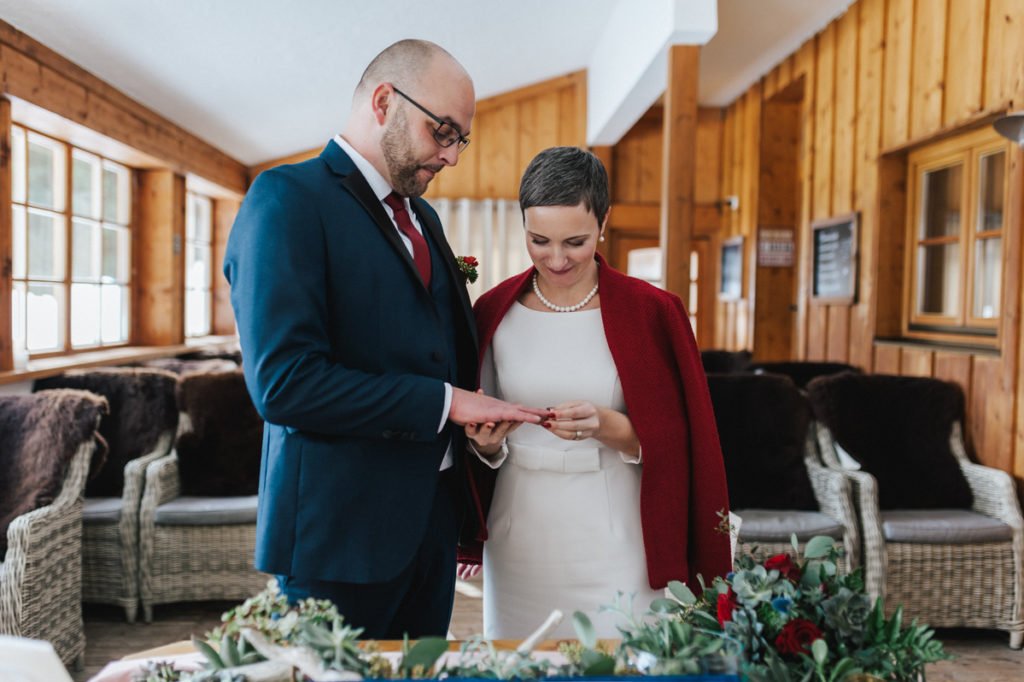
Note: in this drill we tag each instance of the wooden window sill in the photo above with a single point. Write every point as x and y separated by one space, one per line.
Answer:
45 367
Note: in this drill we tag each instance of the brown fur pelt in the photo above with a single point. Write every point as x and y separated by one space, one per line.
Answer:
898 429
186 366
39 436
220 445
762 424
142 408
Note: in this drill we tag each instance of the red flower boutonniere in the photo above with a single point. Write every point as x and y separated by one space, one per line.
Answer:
467 266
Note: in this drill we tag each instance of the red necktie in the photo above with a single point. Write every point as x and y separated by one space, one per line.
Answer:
420 251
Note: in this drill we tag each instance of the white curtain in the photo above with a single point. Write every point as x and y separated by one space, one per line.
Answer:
490 230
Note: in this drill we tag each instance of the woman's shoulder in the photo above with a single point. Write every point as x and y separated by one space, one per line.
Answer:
500 294
641 291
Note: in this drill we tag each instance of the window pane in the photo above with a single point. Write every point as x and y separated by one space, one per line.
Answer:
938 279
197 273
116 194
45 312
987 277
45 246
991 185
116 254
85 314
85 262
198 224
197 312
85 186
941 203
114 309
18 314
45 173
18 243
18 166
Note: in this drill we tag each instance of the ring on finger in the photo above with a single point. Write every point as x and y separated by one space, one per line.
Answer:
579 434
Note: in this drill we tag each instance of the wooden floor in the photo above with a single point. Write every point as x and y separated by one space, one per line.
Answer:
982 656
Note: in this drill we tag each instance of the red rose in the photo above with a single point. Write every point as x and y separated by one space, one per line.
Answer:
796 637
470 260
783 563
727 603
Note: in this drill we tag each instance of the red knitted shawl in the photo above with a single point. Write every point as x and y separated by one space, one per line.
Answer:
683 481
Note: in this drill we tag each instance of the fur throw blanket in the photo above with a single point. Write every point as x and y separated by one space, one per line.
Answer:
39 436
142 408
221 439
898 429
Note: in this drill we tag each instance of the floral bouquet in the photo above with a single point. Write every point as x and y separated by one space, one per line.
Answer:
801 620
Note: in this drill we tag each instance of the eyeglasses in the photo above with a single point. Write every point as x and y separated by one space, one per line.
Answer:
445 134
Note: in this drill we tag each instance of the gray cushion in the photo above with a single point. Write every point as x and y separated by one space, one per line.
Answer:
101 510
773 525
207 511
943 527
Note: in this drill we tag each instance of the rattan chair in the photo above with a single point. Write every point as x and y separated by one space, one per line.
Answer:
139 430
41 573
764 422
947 567
199 547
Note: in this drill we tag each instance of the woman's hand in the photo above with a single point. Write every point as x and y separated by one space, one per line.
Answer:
579 419
467 571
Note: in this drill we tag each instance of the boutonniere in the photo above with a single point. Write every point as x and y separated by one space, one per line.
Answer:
467 266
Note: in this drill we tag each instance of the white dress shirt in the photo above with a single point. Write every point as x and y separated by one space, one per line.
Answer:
382 188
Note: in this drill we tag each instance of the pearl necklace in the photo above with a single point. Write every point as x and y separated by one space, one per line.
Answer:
562 308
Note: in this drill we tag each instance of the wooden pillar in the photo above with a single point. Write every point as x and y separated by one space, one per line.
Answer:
224 212
6 242
678 166
160 259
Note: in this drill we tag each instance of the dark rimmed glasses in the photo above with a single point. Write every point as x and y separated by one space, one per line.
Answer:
445 134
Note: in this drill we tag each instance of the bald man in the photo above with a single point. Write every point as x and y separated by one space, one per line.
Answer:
360 353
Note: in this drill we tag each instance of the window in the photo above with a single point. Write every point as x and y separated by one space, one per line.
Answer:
71 246
955 238
198 265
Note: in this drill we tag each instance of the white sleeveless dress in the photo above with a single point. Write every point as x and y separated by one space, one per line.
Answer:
564 526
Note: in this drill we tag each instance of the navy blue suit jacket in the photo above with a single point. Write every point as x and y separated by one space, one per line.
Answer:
345 356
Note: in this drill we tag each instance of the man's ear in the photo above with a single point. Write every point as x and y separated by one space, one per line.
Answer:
380 101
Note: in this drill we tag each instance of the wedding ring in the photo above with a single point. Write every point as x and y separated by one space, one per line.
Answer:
579 434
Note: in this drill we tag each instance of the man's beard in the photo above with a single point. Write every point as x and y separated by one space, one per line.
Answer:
400 159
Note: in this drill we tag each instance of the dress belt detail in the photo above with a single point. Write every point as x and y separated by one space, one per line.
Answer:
581 460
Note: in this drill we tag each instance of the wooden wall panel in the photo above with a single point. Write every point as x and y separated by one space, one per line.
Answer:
158 243
990 413
500 147
224 213
898 52
887 359
837 348
6 282
965 70
928 68
916 362
844 160
1004 62
955 367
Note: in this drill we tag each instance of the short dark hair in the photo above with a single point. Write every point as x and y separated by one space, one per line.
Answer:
565 176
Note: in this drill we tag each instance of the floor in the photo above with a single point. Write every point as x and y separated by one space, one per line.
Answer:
982 656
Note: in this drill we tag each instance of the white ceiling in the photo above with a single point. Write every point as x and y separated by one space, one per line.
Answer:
261 79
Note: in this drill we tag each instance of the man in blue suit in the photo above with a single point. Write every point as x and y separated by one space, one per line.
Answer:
360 353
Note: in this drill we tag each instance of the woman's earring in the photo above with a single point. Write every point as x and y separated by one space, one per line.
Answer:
601 238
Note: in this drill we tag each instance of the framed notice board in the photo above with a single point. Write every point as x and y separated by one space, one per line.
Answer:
731 287
834 259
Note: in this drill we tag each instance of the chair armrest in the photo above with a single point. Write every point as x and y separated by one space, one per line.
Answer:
994 494
135 474
46 536
162 484
835 498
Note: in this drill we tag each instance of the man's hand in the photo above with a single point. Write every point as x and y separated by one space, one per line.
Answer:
477 408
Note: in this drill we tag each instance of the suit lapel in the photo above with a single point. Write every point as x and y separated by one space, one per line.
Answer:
433 226
357 186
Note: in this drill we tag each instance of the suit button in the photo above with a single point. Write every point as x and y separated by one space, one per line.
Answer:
436 356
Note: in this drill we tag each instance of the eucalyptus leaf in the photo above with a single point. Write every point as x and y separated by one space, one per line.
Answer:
424 654
818 546
584 629
229 652
819 648
665 606
209 653
681 592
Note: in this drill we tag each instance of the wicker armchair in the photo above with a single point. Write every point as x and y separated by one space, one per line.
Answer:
776 485
40 577
139 430
198 544
949 567
802 372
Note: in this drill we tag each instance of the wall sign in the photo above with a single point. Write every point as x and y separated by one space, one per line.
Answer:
834 259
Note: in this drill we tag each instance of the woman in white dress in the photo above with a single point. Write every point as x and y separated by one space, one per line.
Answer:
619 489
